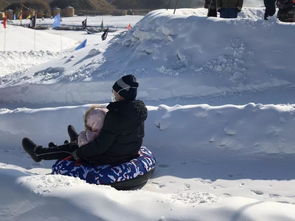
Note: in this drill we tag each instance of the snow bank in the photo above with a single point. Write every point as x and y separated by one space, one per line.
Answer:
185 55
190 132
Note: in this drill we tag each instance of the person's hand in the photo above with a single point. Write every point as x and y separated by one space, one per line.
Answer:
75 156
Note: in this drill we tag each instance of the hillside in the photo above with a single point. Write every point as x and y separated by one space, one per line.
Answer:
39 5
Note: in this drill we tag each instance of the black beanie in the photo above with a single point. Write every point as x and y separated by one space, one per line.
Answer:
126 87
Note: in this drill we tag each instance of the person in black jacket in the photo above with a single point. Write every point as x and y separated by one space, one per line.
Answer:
120 138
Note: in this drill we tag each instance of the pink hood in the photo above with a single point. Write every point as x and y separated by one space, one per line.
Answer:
94 119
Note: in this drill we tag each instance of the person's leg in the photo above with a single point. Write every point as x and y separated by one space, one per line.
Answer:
55 153
266 13
272 10
39 153
223 13
233 13
30 147
72 133
212 13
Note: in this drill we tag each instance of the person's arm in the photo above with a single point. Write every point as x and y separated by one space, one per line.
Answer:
101 143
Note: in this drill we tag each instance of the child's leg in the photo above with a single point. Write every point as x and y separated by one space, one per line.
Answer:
55 153
39 153
72 133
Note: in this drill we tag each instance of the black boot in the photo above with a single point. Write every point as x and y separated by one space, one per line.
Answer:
30 147
72 133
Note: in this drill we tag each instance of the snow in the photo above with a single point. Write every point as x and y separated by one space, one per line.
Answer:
32 40
221 116
173 56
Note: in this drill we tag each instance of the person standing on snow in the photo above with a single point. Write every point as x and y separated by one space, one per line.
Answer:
270 8
229 8
211 6
119 139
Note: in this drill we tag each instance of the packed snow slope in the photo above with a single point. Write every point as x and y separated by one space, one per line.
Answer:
214 163
187 56
191 132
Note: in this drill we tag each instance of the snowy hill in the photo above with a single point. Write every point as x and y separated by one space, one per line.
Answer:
221 118
174 56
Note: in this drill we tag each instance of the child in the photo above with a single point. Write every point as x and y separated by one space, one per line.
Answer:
93 121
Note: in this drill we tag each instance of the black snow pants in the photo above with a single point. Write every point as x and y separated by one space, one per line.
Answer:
56 152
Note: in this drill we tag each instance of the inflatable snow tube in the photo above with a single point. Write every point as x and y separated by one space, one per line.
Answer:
128 175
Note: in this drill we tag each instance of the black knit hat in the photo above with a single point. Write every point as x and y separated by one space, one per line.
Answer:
126 87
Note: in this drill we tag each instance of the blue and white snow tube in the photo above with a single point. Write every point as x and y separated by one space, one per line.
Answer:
108 174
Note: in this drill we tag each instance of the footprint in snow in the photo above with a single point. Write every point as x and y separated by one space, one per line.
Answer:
163 165
274 195
284 202
187 186
159 184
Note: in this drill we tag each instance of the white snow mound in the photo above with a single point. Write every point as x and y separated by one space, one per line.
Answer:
185 55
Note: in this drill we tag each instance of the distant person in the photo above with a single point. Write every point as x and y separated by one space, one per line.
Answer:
270 8
211 6
229 8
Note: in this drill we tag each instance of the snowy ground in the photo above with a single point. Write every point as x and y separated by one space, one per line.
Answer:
221 117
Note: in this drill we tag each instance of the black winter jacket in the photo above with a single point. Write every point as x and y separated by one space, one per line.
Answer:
121 135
